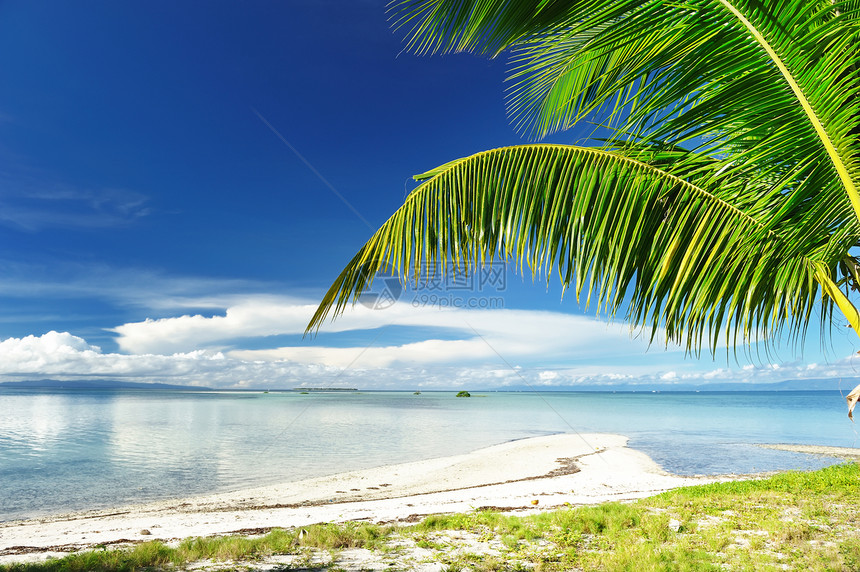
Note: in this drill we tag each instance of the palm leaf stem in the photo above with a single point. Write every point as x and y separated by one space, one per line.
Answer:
833 291
832 152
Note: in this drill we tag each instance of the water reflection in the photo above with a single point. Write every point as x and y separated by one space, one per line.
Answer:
75 450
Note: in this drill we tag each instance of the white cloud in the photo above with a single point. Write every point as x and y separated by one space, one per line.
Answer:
260 316
63 356
482 332
441 348
425 352
548 376
483 341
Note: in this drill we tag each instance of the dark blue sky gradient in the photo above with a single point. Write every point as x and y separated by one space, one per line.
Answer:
130 136
141 115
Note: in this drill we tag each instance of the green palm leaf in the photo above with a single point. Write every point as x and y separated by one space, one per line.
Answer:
610 226
481 26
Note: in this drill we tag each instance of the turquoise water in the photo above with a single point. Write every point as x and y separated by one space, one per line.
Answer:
72 450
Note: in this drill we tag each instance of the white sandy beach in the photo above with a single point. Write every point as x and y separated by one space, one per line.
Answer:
552 470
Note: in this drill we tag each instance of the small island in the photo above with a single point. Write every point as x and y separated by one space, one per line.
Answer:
464 394
307 389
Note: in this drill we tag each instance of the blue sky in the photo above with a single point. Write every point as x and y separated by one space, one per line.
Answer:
181 181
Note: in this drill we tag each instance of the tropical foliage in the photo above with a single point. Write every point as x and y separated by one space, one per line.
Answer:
722 209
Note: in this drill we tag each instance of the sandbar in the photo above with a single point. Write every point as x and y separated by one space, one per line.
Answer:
554 470
847 453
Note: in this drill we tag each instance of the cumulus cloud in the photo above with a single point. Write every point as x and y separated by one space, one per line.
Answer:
260 316
476 343
63 356
481 334
441 348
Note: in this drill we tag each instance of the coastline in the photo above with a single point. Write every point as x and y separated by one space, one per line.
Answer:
555 471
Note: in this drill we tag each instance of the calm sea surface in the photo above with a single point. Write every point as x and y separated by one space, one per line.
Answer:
71 450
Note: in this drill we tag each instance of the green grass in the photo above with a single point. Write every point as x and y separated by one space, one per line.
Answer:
793 520
157 555
835 479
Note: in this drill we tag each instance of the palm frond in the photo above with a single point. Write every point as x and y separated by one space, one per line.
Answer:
480 26
618 231
772 89
768 88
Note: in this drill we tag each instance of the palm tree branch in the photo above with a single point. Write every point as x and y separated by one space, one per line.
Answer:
832 290
602 221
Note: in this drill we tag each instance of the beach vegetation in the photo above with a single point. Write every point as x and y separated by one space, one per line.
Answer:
793 520
156 555
718 204
349 535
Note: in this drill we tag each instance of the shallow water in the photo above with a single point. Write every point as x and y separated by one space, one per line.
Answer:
73 450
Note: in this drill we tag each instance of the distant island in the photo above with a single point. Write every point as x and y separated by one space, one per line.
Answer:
828 384
324 389
94 384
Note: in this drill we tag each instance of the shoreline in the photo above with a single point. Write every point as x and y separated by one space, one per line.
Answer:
555 470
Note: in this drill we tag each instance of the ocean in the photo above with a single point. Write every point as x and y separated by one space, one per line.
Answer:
71 450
